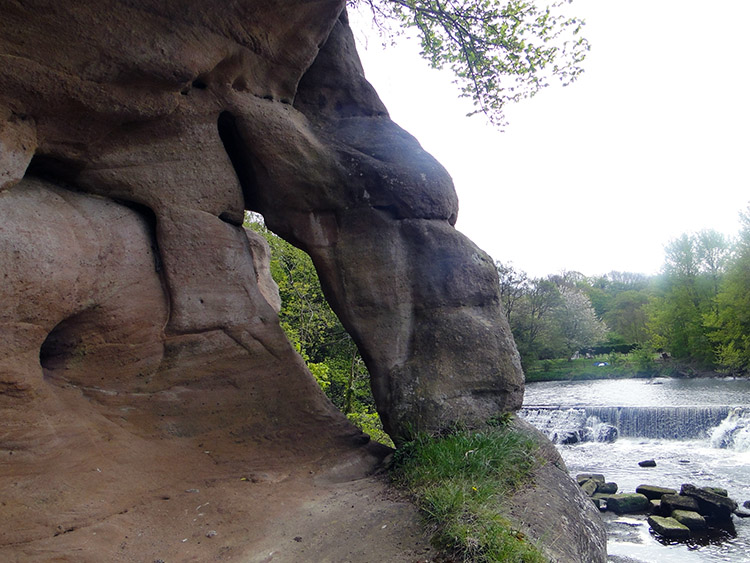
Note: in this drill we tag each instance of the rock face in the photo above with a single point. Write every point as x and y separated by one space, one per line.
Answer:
194 115
419 298
689 518
556 512
140 351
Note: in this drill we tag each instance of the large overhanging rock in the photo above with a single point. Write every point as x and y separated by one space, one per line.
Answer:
140 349
420 299
127 101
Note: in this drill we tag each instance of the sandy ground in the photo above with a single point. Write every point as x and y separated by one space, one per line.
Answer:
299 509
358 521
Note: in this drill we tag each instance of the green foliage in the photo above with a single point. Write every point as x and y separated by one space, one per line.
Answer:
676 324
318 335
615 359
644 359
460 482
370 424
499 51
626 316
620 299
697 311
549 317
305 316
686 314
322 374
729 322
577 321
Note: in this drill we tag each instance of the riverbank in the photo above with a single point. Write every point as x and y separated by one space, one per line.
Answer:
613 366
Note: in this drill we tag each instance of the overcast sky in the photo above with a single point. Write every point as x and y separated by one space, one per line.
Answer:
651 142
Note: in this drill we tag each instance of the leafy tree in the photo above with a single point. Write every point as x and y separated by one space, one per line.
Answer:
627 316
681 261
513 286
685 297
577 321
627 280
603 290
730 322
499 50
317 334
713 252
568 278
549 317
697 309
534 330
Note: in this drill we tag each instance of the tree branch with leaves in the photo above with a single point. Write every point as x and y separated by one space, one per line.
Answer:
499 51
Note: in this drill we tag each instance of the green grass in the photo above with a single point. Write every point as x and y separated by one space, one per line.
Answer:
460 481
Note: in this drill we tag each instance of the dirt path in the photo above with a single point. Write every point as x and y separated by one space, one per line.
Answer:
180 504
358 521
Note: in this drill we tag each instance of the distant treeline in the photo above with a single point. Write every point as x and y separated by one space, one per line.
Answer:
696 311
610 349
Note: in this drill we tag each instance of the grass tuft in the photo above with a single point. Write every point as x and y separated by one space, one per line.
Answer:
460 481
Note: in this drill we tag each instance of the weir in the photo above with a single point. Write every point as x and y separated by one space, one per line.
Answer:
591 423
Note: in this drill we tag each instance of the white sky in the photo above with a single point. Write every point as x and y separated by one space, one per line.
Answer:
652 141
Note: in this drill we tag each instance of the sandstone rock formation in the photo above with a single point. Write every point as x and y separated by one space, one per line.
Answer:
140 352
195 127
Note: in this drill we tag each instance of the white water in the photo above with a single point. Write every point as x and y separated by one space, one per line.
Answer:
733 432
566 425
716 453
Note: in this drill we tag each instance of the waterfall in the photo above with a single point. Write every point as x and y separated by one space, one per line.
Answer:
566 425
569 426
733 432
675 423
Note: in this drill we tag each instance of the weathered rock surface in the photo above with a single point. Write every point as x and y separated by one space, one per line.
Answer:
596 477
668 527
712 505
141 357
654 492
419 298
626 503
218 117
608 488
551 508
589 487
721 491
678 502
688 518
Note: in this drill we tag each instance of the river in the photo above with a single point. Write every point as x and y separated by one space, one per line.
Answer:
697 431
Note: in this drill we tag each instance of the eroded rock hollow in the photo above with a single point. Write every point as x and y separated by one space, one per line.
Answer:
140 350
